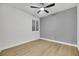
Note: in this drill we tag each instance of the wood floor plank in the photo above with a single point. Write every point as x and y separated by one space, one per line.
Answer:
41 48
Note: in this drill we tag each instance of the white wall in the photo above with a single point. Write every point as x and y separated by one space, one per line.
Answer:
61 27
15 26
78 26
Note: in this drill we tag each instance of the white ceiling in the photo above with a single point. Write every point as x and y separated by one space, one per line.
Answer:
57 8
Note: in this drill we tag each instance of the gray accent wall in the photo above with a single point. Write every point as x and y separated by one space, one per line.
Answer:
61 27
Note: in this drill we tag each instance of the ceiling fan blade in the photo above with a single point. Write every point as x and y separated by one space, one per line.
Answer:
39 11
50 5
46 11
34 7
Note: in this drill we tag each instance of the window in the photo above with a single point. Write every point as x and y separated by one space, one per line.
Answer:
35 25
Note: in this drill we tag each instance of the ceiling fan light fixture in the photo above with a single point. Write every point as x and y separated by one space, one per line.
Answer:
43 8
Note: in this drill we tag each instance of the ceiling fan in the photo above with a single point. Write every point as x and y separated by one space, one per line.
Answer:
43 8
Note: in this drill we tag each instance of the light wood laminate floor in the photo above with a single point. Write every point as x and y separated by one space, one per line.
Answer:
41 48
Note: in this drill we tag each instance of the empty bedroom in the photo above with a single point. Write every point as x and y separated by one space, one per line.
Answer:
39 29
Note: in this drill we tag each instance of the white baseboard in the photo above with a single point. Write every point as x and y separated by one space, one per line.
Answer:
37 39
60 42
17 44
